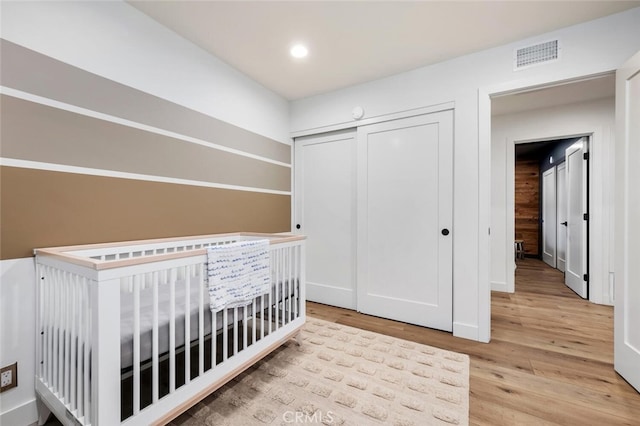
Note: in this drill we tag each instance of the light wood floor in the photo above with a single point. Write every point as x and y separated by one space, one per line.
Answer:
549 362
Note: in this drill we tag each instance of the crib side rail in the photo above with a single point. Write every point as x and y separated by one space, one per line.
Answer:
116 255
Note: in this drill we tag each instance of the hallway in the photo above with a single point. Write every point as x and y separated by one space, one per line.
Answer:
550 360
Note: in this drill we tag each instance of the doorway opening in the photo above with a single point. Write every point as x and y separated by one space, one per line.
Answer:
566 111
551 207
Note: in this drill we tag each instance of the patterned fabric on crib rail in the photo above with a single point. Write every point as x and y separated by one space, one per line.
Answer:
238 273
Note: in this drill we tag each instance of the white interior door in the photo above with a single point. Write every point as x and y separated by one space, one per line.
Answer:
405 203
549 217
576 269
561 216
627 223
325 213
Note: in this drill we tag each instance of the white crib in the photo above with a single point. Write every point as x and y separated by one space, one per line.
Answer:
126 335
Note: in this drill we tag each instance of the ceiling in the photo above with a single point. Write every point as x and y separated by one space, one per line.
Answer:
358 41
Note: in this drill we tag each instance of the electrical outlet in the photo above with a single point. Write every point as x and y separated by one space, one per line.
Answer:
8 377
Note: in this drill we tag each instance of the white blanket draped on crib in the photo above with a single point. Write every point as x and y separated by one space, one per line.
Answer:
238 273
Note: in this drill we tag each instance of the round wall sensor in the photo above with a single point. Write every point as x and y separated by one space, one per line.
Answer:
357 113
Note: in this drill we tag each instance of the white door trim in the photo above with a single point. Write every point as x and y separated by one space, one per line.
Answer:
375 119
599 225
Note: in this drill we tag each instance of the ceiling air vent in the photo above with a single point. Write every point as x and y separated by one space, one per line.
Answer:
536 54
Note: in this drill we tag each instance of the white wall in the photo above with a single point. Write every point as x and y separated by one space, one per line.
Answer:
116 41
596 118
17 338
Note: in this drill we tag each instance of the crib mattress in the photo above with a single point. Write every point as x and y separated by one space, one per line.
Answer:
164 318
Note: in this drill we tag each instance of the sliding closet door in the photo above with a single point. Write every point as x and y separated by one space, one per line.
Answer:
405 198
325 213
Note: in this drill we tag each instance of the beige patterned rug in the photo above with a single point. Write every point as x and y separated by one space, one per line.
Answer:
341 375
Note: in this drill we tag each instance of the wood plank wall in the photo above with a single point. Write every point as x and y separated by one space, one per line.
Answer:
527 205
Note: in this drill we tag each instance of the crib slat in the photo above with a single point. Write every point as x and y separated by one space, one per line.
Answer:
270 297
39 320
74 341
199 270
154 342
172 331
254 323
297 281
53 332
61 336
244 327
262 313
58 335
225 334
280 291
45 324
187 326
52 322
283 285
214 338
276 290
66 341
74 336
87 353
81 324
291 281
46 355
136 344
235 330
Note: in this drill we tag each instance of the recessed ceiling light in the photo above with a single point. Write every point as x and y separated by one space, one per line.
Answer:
299 51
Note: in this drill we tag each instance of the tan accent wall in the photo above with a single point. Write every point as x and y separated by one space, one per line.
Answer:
35 132
41 208
44 209
32 72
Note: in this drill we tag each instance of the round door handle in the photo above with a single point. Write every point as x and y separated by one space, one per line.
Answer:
563 223
445 232
298 226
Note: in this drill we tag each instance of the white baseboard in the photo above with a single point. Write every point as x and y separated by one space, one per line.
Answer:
499 286
22 415
466 331
330 295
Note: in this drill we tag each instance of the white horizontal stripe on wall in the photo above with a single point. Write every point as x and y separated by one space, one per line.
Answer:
106 117
25 164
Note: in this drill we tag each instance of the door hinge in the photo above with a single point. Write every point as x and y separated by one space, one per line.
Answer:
585 216
585 155
585 277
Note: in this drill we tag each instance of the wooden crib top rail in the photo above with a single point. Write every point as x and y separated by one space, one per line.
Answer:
127 253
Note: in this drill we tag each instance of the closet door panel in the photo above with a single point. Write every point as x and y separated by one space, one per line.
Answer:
325 212
549 217
405 204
